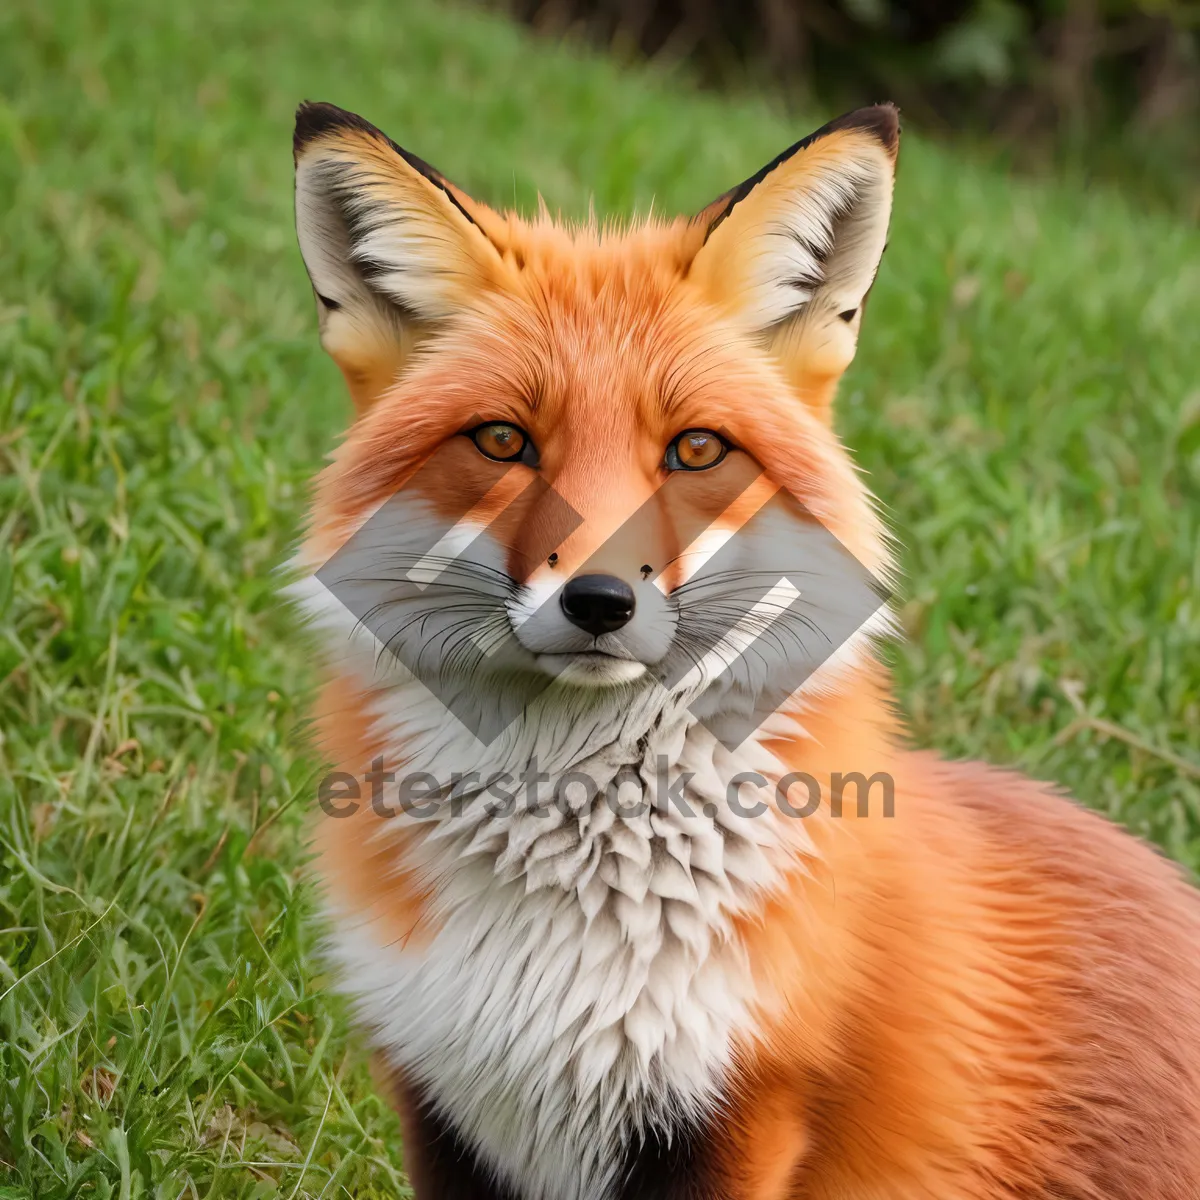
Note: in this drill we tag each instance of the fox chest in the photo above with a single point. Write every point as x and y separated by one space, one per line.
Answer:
582 993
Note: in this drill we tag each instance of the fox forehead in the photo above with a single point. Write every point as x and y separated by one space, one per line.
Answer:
640 259
596 326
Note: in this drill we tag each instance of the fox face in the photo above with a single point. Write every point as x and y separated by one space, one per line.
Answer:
595 456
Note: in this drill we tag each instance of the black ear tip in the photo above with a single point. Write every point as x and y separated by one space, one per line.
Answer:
880 120
314 118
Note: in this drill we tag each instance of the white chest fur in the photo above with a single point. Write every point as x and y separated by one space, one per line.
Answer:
585 981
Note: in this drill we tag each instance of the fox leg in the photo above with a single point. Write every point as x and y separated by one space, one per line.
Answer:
754 1152
439 1164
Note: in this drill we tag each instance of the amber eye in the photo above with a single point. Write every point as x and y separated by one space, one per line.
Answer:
504 443
696 450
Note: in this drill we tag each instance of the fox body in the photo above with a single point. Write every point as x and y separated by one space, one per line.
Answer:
653 969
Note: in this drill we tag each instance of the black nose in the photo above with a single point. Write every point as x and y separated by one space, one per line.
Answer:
598 603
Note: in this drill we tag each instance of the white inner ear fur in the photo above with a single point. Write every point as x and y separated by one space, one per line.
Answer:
373 232
362 323
807 245
857 240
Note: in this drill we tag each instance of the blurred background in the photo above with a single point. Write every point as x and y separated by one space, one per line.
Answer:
1109 86
1025 403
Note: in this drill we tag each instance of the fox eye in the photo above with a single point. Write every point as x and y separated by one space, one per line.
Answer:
696 450
504 443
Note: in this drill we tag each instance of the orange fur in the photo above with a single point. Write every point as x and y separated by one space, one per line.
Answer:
359 852
994 994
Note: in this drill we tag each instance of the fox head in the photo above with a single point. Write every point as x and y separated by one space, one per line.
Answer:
598 456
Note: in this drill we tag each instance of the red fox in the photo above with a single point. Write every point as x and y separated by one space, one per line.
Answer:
606 910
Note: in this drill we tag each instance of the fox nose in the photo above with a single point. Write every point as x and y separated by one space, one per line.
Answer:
598 603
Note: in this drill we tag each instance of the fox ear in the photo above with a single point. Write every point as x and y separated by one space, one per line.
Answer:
391 247
791 253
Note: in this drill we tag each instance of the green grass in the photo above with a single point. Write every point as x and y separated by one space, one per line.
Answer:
1027 403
